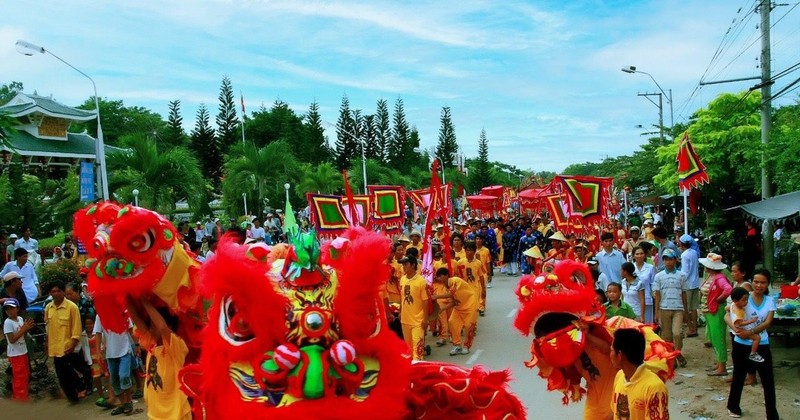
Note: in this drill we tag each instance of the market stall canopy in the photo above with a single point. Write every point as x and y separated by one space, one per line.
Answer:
494 191
776 208
483 202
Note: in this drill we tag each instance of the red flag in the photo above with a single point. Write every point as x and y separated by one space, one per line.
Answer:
433 210
348 192
241 98
691 171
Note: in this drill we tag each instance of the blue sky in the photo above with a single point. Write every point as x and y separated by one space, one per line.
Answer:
542 77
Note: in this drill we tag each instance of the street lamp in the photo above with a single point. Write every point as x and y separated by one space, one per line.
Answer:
26 48
135 197
631 70
286 186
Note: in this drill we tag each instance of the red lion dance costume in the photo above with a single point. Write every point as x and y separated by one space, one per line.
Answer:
134 253
560 309
303 335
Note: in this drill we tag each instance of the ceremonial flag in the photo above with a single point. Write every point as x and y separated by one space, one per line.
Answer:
241 99
348 192
589 196
327 214
691 171
433 210
387 205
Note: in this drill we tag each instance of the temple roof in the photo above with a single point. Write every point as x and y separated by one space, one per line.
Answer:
23 104
78 145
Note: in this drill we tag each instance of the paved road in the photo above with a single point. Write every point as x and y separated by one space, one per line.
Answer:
499 346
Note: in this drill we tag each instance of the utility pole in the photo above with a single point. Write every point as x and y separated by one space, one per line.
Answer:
660 106
766 125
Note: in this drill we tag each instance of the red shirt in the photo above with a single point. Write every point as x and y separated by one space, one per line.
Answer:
720 289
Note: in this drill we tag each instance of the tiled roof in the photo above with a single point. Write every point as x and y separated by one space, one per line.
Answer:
49 106
77 145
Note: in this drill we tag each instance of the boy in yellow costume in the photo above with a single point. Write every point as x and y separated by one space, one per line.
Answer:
414 307
473 271
485 256
463 305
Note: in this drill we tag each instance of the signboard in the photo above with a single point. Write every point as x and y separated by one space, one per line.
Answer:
87 181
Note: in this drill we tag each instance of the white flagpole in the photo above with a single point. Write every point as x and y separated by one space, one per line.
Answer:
685 211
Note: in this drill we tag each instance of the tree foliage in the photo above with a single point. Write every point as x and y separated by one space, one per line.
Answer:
447 148
205 145
346 136
398 145
119 120
174 135
315 148
481 175
228 132
383 130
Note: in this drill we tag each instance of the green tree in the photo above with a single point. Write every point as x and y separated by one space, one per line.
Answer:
447 147
481 175
227 121
119 120
383 130
205 146
400 138
22 202
321 179
162 178
174 135
370 137
260 173
316 144
8 91
279 122
346 136
65 201
784 148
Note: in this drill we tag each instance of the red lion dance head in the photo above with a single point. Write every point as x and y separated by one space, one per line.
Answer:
134 252
554 306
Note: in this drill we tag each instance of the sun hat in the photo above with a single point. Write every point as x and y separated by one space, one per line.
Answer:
636 228
714 262
13 236
533 252
12 275
558 236
404 238
415 232
11 303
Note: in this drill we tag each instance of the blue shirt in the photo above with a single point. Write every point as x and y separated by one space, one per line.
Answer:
670 286
689 265
610 264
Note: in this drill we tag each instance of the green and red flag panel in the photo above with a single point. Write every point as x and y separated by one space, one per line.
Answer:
327 213
691 171
387 205
589 196
362 209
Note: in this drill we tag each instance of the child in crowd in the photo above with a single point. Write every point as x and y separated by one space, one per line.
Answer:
99 367
445 304
740 296
615 306
14 328
462 305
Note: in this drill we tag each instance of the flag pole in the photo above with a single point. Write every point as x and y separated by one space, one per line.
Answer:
241 99
685 211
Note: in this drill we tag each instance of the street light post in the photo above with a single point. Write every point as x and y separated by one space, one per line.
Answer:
632 69
26 48
135 197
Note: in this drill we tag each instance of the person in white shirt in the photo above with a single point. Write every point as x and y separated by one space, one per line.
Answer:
119 356
199 232
14 329
257 232
30 244
26 271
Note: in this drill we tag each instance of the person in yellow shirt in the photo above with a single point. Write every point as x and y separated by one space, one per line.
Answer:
64 327
414 307
166 355
485 256
463 304
457 244
639 393
473 271
393 286
445 305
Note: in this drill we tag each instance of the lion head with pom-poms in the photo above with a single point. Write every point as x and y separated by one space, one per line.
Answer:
302 336
134 252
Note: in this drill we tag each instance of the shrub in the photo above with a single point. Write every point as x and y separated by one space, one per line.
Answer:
62 271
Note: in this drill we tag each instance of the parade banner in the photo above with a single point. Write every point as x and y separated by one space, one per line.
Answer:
362 208
422 198
327 214
691 171
387 206
589 196
558 208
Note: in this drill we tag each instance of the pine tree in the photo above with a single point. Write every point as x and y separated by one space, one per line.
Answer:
481 175
383 130
315 141
448 146
174 136
206 147
346 143
227 121
399 143
370 136
413 158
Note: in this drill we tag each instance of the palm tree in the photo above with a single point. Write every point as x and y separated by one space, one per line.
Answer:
322 179
162 178
260 173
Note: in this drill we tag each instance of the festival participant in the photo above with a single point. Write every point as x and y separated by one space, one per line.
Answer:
510 245
560 248
393 286
485 256
473 271
532 259
463 306
615 306
440 289
404 242
648 229
63 320
629 244
645 272
457 242
120 361
669 290
762 306
25 268
718 291
610 259
416 241
664 244
633 290
689 266
581 249
414 309
639 394
14 330
620 235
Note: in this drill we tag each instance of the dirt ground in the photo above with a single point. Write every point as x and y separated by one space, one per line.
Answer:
697 395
